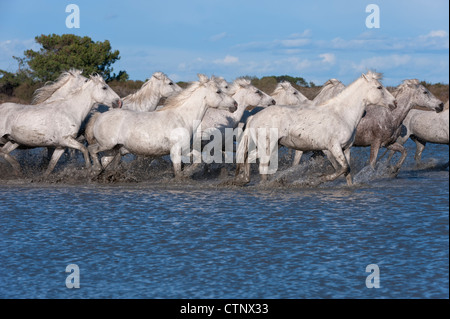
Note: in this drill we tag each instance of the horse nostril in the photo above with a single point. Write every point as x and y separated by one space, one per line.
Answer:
274 102
235 104
440 108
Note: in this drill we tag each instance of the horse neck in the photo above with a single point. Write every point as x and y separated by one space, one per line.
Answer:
239 97
192 110
324 95
80 104
350 102
147 98
404 105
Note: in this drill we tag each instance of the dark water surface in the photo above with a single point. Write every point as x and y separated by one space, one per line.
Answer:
193 240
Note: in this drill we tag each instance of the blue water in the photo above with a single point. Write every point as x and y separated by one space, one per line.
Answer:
191 240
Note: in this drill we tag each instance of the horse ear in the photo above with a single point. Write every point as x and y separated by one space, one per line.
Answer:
365 77
158 75
203 78
285 84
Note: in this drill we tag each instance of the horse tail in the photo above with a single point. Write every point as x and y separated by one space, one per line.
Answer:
89 131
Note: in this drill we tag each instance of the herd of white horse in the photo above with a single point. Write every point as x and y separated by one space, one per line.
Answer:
362 114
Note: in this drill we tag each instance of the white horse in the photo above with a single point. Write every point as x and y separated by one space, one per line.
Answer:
59 89
381 127
245 94
51 91
147 97
330 128
167 131
286 94
52 124
425 127
330 89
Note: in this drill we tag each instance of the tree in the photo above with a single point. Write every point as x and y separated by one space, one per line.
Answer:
62 52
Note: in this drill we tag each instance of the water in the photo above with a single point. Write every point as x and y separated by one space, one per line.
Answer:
196 239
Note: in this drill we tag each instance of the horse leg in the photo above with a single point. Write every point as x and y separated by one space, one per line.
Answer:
420 146
175 157
94 149
374 148
70 142
245 164
297 158
348 175
5 150
396 147
338 154
55 158
401 140
332 160
114 163
267 159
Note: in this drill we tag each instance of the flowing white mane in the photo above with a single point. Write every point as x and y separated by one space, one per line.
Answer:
45 92
239 83
369 76
179 98
282 86
145 91
406 84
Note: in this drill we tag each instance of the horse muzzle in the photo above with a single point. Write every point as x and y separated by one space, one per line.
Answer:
233 108
393 106
440 108
117 104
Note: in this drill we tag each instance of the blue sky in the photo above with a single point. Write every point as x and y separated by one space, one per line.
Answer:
316 40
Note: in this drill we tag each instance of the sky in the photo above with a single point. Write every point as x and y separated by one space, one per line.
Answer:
316 40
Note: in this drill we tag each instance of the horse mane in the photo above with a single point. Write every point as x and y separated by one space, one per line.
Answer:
405 84
281 86
239 83
332 82
94 77
44 93
370 75
179 98
374 75
146 90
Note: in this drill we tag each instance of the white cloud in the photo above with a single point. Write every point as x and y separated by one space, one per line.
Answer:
218 36
437 33
229 59
382 63
328 58
295 42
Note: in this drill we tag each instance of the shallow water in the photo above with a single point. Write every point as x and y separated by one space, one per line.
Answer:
135 236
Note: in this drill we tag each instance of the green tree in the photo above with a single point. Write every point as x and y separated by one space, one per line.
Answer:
63 52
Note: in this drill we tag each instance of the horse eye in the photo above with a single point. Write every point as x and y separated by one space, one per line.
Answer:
380 87
258 92
226 86
171 83
219 91
425 92
295 93
104 88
